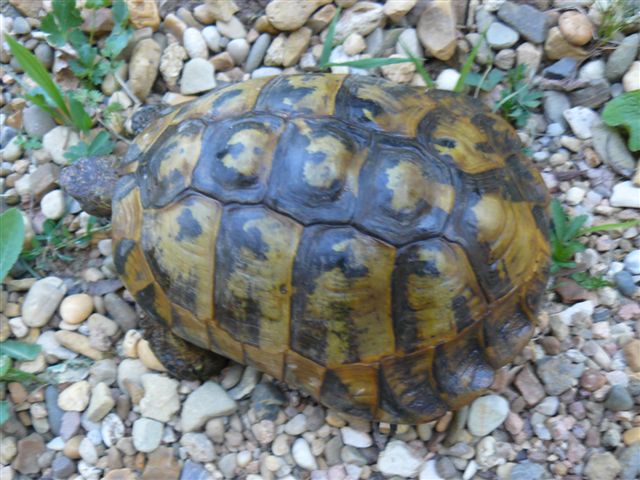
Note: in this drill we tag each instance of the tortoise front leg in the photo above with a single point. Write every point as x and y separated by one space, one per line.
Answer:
182 359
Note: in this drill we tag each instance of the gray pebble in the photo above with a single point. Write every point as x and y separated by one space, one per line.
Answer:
530 22
618 399
527 471
624 282
630 462
622 57
37 122
500 36
21 26
555 103
446 468
563 68
120 311
54 412
238 49
44 53
194 471
63 467
257 52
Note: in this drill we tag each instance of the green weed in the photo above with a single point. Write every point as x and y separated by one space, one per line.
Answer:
518 100
11 350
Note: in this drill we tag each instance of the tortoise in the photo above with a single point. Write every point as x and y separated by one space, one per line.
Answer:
383 249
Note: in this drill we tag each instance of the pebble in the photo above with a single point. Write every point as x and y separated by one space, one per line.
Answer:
362 18
602 466
618 399
629 461
101 402
171 63
12 151
625 194
212 38
593 70
576 27
206 402
581 120
631 79
396 9
447 79
575 195
558 373
198 446
486 414
297 425
557 47
195 44
437 29
37 122
146 434
398 459
302 455
160 400
354 44
76 308
285 18
257 52
57 141
612 149
75 397
563 68
78 343
622 57
120 311
29 450
500 36
111 429
239 50
527 471
529 55
233 28
355 438
63 467
248 381
409 39
143 67
194 471
400 72
429 471
87 451
54 205
197 76
530 22
42 301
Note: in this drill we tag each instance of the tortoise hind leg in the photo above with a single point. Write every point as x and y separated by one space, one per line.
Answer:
182 359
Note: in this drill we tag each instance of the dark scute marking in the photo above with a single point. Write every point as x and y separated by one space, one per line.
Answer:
374 211
483 121
350 107
121 254
496 180
219 102
151 254
133 153
290 193
123 187
460 367
146 298
542 219
445 142
336 394
213 178
239 315
189 226
461 312
315 257
534 291
406 391
273 98
484 147
507 334
404 318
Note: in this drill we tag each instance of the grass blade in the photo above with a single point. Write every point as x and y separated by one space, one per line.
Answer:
328 42
419 67
370 62
610 226
466 68
11 239
32 67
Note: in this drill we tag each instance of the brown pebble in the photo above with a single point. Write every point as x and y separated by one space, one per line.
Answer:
120 474
17 392
162 463
632 354
592 380
444 421
72 447
576 27
551 345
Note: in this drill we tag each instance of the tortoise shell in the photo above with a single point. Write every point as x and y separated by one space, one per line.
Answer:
381 248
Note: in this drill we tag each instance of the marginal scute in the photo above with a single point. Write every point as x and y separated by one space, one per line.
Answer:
352 389
319 163
236 158
341 310
300 370
408 389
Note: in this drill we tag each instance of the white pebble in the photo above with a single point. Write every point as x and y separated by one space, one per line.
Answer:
302 455
447 79
54 205
194 43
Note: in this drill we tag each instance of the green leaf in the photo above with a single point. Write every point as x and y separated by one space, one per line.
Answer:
62 21
80 117
15 375
624 111
5 364
32 67
120 12
77 151
19 350
101 145
558 218
11 239
370 62
96 4
116 42
328 42
4 411
487 81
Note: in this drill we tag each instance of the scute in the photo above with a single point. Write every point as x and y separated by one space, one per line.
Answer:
383 249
